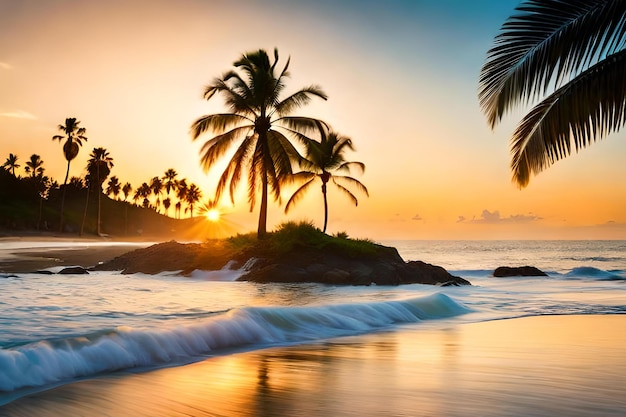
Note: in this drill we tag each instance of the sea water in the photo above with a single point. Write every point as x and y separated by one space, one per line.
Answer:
55 329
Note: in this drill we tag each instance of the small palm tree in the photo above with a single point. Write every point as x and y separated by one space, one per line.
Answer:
143 192
113 187
181 194
34 166
169 180
126 190
11 163
572 54
193 196
74 137
99 166
258 120
167 202
322 159
156 186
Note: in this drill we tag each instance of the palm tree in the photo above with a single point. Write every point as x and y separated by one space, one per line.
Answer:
34 166
74 136
126 190
167 202
113 186
193 196
257 119
170 180
156 186
11 163
99 166
322 159
571 54
181 194
144 192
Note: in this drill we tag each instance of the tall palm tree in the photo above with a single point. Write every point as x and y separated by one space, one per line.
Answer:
113 186
99 166
570 53
11 163
169 180
126 190
156 186
322 160
74 137
34 166
181 194
257 119
193 196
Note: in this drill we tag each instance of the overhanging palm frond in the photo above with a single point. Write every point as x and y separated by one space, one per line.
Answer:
588 108
300 192
346 192
299 99
545 43
349 181
217 123
216 147
232 172
347 166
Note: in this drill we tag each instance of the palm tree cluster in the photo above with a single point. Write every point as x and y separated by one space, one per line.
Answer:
260 121
569 54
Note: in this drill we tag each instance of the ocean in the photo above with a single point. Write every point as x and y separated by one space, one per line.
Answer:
59 329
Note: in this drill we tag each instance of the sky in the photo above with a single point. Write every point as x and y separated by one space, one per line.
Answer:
402 81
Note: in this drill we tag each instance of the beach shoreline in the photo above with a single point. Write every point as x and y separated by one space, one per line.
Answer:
531 366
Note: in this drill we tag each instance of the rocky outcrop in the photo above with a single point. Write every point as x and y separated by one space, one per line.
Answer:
382 266
518 271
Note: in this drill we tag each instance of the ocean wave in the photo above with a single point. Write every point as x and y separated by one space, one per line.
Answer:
595 273
49 362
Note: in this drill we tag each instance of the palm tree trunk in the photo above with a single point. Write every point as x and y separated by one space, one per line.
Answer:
325 207
67 173
262 228
99 194
82 226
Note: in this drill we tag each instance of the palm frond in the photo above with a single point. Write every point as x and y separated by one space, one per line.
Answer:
300 127
299 194
347 166
299 99
349 181
346 192
215 148
586 109
216 123
547 42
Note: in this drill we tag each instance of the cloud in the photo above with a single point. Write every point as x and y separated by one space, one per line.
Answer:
494 217
19 114
417 217
5 66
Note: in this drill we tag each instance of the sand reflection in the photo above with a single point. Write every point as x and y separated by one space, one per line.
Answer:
573 365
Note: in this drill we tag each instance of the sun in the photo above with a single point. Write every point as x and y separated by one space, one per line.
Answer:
213 215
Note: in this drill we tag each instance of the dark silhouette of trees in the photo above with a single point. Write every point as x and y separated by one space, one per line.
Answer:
569 53
257 119
11 163
169 180
156 186
74 136
126 190
34 166
324 160
192 196
99 167
113 187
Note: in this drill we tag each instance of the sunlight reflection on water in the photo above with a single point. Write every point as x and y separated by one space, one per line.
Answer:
539 366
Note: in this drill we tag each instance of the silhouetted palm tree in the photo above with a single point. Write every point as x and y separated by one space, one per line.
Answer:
126 190
322 159
167 202
156 186
169 180
99 166
113 187
257 118
74 136
144 192
11 163
181 194
34 166
571 53
193 196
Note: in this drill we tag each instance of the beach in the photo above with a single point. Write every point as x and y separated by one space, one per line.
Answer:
534 366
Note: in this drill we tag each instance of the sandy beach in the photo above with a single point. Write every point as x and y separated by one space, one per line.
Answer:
534 366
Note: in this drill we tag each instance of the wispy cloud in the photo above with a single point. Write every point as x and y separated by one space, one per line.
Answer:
19 114
5 66
494 217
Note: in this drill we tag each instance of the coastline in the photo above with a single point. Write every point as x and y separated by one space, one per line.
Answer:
539 366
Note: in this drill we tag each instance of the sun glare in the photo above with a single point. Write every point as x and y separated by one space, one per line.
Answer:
213 215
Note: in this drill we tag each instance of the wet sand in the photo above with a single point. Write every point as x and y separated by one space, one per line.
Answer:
24 254
535 366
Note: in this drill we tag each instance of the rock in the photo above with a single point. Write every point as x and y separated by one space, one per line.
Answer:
518 271
78 270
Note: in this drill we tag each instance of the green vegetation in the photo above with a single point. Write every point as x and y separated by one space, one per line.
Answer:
571 54
290 236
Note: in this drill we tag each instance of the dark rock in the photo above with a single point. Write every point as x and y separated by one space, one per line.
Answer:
43 272
73 270
518 271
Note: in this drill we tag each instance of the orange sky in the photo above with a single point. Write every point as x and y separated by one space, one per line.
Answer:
401 79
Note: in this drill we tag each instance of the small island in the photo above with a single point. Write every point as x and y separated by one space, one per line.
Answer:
295 253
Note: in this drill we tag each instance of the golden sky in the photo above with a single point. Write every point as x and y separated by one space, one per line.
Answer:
402 83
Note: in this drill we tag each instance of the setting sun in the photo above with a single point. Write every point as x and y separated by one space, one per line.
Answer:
213 215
